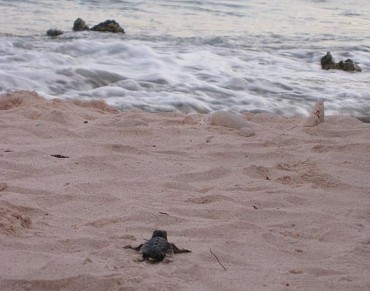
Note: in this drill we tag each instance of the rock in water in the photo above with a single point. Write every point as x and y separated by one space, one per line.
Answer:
328 63
317 115
348 66
108 26
80 25
54 32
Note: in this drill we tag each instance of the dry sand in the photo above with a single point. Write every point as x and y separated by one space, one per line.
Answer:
285 209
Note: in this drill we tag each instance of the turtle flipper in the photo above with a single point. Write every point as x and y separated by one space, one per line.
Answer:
176 250
170 251
138 248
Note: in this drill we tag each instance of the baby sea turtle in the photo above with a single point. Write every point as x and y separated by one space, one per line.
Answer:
157 247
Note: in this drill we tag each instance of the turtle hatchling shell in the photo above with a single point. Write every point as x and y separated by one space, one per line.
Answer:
156 248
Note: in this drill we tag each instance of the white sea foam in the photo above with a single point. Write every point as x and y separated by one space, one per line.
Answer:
226 55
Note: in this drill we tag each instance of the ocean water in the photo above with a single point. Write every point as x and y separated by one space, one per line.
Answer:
191 55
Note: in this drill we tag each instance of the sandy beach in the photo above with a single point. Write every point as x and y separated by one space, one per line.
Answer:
281 206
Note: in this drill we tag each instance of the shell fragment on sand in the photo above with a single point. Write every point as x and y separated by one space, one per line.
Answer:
317 115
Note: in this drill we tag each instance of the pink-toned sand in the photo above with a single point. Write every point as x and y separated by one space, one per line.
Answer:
285 209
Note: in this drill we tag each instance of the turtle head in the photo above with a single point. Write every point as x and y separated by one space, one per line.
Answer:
160 233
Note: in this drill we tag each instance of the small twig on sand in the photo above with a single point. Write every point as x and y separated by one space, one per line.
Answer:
59 156
164 213
217 259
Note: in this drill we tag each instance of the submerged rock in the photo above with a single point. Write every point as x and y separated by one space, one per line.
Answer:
108 26
80 25
54 32
328 63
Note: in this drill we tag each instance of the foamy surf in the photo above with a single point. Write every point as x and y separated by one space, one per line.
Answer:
217 55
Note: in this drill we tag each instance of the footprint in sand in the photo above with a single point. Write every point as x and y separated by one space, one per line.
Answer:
13 219
257 172
208 199
302 172
211 174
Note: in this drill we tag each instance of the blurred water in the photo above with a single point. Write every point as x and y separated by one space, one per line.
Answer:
191 55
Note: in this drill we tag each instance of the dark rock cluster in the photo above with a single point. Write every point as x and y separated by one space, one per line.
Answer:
54 32
328 63
108 26
80 25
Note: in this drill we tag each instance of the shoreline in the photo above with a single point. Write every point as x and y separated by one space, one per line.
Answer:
96 102
282 207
